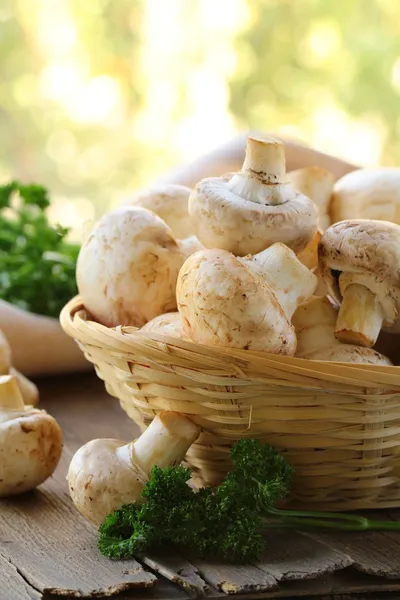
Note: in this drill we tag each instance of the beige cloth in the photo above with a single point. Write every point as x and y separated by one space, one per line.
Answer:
38 344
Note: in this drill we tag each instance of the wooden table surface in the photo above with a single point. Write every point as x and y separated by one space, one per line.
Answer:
47 549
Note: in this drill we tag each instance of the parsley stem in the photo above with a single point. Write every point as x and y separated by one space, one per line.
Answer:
331 520
303 523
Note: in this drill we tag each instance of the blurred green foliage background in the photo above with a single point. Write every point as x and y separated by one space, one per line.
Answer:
98 98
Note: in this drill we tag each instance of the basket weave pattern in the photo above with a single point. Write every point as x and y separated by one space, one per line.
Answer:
339 424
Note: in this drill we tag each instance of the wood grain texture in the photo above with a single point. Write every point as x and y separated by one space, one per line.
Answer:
177 570
288 556
347 582
235 579
295 556
45 546
13 585
52 545
375 553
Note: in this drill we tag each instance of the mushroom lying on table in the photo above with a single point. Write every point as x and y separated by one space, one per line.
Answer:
360 263
30 442
243 303
370 193
314 322
170 203
128 267
105 474
28 389
248 211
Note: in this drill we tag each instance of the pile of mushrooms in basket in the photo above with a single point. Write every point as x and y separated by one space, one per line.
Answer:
257 260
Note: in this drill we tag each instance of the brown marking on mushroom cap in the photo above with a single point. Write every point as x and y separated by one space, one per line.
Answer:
227 221
363 245
27 427
235 308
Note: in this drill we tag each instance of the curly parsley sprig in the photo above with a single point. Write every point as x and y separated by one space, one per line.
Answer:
227 522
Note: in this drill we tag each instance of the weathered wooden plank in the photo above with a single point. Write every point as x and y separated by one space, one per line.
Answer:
177 570
235 579
43 535
347 582
292 556
13 585
55 550
288 556
162 590
375 553
84 411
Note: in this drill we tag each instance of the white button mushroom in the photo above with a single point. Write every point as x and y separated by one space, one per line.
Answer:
105 474
317 184
248 211
30 442
128 266
170 203
168 323
314 322
28 389
370 193
243 303
360 263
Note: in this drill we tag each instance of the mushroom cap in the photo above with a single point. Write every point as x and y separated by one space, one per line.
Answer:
170 203
364 247
224 303
316 309
349 353
101 478
168 323
128 266
370 193
317 184
30 448
224 220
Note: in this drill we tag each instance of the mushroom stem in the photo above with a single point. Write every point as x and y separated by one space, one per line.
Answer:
164 442
360 317
264 165
105 473
10 395
265 159
291 281
314 322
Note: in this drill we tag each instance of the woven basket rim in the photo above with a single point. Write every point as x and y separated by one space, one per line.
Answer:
76 322
348 412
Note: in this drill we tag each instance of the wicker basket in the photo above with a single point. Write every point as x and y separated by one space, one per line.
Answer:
339 424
